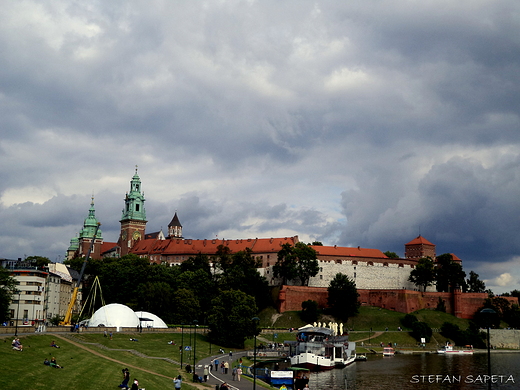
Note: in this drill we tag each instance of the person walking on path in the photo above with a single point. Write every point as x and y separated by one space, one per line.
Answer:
234 373
226 367
239 372
177 382
206 373
216 364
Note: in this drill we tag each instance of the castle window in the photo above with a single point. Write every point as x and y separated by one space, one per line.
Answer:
370 263
136 207
385 264
401 265
354 274
321 276
354 262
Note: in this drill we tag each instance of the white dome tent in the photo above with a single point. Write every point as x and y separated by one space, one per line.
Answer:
150 320
121 316
114 315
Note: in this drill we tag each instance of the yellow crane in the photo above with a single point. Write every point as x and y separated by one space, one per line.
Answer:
68 316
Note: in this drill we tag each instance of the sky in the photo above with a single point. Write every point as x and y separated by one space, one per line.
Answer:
354 123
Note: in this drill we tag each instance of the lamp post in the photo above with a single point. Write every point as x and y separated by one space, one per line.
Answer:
17 313
195 322
488 316
255 322
369 335
182 341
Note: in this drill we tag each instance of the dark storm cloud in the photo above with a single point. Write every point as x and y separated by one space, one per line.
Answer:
352 123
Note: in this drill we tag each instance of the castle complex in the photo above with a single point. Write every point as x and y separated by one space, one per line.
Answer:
371 269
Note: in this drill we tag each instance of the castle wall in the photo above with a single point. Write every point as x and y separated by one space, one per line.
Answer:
400 300
366 273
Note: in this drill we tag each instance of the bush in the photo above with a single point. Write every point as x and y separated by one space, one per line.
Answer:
408 321
310 312
421 330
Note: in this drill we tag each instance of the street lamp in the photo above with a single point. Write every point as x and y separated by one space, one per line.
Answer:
17 313
488 315
182 342
195 322
255 322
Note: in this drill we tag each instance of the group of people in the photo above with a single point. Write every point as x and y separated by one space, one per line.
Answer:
126 380
52 363
17 345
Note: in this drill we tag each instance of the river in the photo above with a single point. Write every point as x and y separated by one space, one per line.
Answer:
423 371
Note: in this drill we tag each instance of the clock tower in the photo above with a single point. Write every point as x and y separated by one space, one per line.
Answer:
133 221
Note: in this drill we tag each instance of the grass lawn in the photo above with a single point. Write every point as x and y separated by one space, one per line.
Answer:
83 369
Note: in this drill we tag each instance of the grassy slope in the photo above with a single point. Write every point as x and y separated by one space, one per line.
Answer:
88 371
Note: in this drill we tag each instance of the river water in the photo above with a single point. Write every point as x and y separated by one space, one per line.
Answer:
423 371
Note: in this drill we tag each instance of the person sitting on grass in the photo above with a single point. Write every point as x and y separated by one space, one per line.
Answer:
54 363
53 344
17 345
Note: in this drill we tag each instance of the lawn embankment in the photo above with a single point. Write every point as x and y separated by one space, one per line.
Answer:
89 369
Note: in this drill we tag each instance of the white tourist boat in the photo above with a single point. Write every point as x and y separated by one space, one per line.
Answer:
449 350
388 351
319 348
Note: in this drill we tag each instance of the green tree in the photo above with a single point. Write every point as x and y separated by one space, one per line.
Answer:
7 289
38 261
421 330
241 273
408 320
449 274
391 255
310 312
343 297
475 285
298 261
185 306
155 297
423 275
230 318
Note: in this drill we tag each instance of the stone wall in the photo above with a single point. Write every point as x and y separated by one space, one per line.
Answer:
504 338
387 274
462 305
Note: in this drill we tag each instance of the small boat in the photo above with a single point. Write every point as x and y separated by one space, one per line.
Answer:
361 358
319 348
388 351
449 350
293 377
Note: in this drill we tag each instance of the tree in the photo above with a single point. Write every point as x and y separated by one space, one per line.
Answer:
241 273
298 261
310 312
449 274
475 285
423 275
343 297
38 261
185 306
230 317
421 330
391 255
7 289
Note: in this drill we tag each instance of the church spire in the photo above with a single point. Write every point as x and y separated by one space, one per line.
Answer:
175 227
133 221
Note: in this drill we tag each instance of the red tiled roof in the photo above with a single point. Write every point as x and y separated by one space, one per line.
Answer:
209 247
107 246
348 251
420 240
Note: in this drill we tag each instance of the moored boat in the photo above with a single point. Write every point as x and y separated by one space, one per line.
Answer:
388 351
448 349
320 348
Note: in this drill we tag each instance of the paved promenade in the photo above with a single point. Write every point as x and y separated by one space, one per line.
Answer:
217 377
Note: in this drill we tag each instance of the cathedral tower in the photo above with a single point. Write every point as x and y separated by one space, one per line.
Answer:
175 228
133 221
80 245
